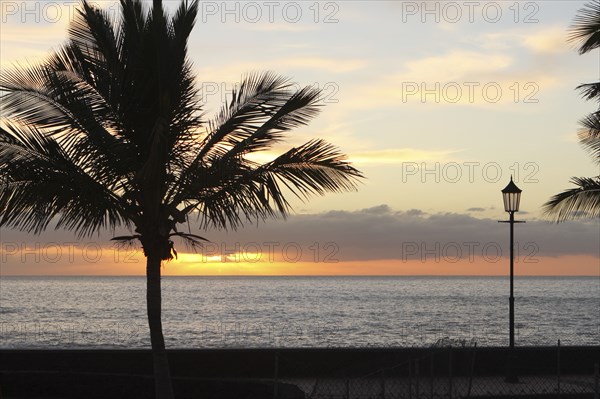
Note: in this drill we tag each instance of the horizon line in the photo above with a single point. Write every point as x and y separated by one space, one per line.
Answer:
299 275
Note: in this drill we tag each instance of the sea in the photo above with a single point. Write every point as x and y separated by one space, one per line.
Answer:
266 312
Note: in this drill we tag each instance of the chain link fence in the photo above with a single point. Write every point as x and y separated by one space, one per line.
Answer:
445 372
449 369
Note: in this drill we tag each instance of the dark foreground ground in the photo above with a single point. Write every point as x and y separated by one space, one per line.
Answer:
566 372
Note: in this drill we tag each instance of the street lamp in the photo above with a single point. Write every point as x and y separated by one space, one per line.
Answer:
512 197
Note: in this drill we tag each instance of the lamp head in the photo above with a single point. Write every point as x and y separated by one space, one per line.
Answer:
511 194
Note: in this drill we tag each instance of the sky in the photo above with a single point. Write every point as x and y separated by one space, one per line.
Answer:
438 103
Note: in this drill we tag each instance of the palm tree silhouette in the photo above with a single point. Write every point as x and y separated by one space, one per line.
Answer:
109 132
584 199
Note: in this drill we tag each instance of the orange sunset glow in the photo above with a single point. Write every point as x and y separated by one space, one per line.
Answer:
110 261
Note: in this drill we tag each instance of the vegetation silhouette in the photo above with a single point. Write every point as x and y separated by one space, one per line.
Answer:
109 132
584 200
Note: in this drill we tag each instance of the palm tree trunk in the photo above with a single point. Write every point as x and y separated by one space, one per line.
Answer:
162 374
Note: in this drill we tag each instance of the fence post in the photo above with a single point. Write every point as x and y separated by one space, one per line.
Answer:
347 387
431 369
382 384
417 393
597 388
558 366
471 370
409 378
450 372
276 376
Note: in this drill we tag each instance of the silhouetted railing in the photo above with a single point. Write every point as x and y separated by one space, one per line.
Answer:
449 369
448 372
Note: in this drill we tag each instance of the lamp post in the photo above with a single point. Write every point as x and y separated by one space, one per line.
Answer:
511 195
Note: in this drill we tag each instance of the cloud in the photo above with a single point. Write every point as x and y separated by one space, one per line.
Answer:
454 65
231 72
381 232
29 44
374 234
481 78
323 64
550 40
399 156
280 27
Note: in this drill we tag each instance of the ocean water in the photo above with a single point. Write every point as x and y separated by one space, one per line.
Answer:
231 312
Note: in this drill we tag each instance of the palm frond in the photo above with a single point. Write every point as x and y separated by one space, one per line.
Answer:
93 53
182 24
243 191
259 96
589 135
580 202
40 96
92 31
297 111
316 167
43 184
231 194
585 29
191 241
126 242
70 110
590 91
